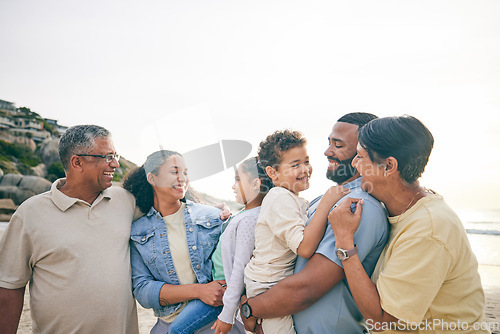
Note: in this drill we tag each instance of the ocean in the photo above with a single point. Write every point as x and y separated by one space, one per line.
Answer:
483 230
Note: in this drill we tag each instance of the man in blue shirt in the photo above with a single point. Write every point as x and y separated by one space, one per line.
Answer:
317 294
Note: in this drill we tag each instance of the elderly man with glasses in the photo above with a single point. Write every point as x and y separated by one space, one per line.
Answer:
72 245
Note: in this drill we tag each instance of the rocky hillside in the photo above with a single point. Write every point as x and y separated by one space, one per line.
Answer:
42 160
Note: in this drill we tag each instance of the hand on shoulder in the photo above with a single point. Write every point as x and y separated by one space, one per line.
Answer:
334 194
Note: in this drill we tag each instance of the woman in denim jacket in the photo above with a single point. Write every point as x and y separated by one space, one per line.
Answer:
171 245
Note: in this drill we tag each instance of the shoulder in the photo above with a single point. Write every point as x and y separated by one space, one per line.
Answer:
34 203
143 222
119 193
202 210
372 208
279 195
435 219
252 213
277 192
248 217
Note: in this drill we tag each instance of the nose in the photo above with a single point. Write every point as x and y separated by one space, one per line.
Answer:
354 161
181 177
306 168
114 163
329 152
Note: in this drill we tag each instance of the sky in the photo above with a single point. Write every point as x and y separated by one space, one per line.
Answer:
185 74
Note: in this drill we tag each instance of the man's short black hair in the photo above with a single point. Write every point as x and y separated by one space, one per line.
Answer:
357 118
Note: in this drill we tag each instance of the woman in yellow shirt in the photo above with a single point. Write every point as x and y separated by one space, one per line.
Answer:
426 279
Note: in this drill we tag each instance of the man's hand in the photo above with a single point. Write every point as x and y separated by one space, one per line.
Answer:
211 293
221 327
250 323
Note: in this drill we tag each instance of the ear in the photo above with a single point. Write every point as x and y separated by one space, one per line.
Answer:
256 184
271 172
391 166
151 179
76 162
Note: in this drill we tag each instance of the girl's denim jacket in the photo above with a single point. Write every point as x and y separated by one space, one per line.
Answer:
152 264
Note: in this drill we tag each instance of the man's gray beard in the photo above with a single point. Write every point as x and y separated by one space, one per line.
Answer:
343 172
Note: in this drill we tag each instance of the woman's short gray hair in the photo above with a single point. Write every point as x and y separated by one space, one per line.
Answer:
79 139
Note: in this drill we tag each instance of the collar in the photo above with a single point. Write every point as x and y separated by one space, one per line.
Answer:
353 184
153 212
64 202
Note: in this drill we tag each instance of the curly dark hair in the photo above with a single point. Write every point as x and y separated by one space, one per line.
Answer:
272 148
137 183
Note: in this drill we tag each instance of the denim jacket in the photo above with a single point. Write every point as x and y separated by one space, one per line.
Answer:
152 264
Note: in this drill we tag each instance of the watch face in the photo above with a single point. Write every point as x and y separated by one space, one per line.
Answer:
341 254
246 311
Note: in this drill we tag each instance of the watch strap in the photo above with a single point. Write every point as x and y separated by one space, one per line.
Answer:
352 251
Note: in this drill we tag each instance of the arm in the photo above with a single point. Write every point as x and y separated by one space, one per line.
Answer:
210 293
243 249
299 291
11 307
151 293
314 231
344 224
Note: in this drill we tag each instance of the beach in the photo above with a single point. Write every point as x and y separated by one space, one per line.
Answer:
485 246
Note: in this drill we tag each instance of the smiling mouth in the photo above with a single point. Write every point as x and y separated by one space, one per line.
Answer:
333 163
178 187
304 178
109 174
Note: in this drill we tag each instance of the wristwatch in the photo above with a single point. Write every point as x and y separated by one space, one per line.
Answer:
343 254
246 310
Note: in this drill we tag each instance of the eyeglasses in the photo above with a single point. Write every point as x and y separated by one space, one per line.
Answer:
108 157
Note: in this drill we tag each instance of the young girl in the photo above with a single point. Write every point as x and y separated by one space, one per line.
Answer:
233 252
280 233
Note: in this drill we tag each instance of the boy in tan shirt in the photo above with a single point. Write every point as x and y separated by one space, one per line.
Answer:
280 233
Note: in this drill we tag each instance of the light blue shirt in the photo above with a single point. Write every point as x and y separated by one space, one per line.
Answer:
336 311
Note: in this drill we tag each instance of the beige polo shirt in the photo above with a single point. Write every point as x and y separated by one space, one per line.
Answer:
278 233
427 275
76 258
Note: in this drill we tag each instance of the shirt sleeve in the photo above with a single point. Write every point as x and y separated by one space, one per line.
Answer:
412 277
370 237
16 255
244 245
286 220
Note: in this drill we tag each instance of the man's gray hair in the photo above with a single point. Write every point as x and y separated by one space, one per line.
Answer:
79 139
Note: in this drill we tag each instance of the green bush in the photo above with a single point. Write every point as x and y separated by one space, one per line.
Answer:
7 166
12 151
24 169
56 169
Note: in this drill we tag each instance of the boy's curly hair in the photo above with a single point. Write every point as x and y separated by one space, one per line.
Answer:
272 148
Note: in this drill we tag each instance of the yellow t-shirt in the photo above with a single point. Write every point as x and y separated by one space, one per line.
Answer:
427 274
177 240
